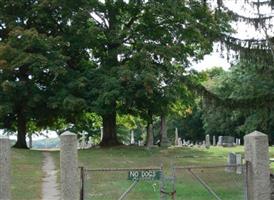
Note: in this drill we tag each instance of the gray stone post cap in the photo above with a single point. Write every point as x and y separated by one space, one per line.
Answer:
256 134
68 133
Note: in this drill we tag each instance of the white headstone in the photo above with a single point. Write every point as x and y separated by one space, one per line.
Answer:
132 141
207 141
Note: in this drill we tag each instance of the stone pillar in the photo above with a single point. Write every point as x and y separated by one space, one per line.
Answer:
239 169
176 137
258 173
214 140
231 160
132 140
5 168
69 167
207 141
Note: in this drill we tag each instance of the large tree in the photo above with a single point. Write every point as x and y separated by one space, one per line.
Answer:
246 90
137 45
41 59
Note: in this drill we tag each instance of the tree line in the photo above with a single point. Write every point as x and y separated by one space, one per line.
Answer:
64 64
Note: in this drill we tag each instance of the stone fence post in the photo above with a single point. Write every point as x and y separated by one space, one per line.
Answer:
258 173
69 167
5 168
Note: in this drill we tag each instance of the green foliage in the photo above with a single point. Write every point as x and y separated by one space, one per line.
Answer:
41 62
243 81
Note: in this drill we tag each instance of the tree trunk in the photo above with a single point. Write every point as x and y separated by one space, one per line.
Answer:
149 142
109 130
163 133
21 132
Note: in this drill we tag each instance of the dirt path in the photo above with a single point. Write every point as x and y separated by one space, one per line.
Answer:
50 189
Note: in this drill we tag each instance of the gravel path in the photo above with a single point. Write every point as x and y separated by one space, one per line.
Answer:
50 189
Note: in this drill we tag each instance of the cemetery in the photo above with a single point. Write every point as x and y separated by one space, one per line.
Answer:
136 100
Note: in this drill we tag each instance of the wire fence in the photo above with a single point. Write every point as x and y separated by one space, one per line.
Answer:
122 183
219 182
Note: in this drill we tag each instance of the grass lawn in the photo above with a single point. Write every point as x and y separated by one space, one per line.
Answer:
110 185
26 174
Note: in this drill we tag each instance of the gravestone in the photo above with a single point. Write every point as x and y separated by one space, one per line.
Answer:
207 141
204 143
102 133
238 141
220 141
132 140
228 141
214 140
231 160
180 143
239 168
176 137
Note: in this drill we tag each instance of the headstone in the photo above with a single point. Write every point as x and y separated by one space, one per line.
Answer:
257 158
69 167
239 168
90 141
132 140
176 137
220 140
180 143
207 141
5 168
102 133
204 143
238 141
214 140
231 160
228 141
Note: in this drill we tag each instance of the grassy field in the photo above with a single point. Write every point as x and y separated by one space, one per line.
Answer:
110 185
27 174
